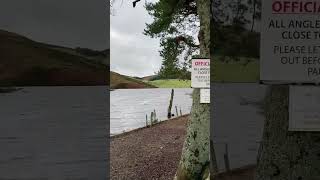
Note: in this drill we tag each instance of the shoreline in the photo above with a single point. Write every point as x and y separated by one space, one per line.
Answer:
149 152
9 89
141 128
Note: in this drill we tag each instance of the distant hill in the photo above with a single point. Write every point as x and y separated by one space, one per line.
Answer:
102 57
119 81
150 78
24 62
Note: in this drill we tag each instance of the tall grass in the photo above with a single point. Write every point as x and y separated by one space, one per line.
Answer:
171 83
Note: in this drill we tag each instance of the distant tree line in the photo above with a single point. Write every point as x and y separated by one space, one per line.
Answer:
233 28
171 67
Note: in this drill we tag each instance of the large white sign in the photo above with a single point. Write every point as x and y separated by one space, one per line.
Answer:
290 36
204 95
304 108
200 73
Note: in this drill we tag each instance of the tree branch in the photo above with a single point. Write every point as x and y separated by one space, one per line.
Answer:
135 2
186 41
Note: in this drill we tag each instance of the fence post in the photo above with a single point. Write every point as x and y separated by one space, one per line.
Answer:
170 104
177 111
226 158
151 118
146 120
155 116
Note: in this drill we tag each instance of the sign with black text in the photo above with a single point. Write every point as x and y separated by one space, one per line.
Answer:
200 73
204 96
304 103
290 36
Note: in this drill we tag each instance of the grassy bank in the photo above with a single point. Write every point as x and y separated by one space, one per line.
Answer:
119 81
244 70
171 83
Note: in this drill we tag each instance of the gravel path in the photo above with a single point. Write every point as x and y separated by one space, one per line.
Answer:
148 153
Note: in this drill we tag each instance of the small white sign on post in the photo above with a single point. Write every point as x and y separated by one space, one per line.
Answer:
200 73
304 103
204 96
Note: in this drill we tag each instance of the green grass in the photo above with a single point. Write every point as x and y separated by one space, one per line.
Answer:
171 83
244 70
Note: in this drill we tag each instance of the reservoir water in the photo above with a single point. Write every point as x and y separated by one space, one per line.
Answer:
128 107
240 130
54 133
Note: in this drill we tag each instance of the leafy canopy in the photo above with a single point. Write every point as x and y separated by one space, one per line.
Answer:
176 23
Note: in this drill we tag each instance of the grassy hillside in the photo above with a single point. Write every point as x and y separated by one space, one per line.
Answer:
101 57
118 81
171 83
24 62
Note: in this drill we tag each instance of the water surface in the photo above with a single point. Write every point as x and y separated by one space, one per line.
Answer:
242 129
54 133
128 107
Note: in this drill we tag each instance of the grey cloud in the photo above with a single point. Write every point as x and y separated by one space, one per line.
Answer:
68 23
132 53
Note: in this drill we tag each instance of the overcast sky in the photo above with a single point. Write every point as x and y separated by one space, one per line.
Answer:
132 53
71 23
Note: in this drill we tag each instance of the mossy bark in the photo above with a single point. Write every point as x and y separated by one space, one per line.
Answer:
284 154
194 163
195 154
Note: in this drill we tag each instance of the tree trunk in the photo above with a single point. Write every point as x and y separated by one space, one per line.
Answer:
284 154
195 154
195 161
253 15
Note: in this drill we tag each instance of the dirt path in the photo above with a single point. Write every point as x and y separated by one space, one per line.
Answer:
148 153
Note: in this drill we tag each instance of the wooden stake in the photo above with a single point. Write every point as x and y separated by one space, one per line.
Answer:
177 111
170 104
